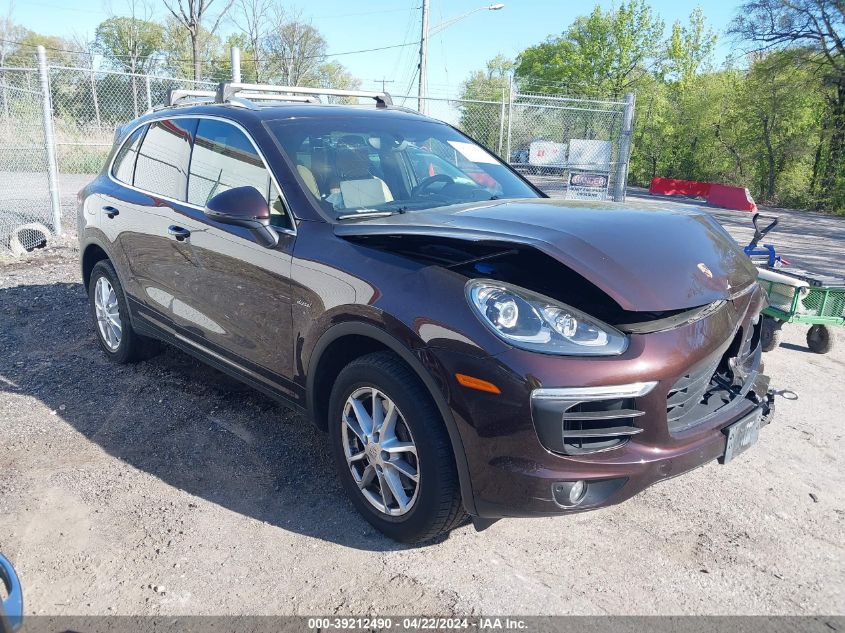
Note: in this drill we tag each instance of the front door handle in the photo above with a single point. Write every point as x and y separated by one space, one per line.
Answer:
111 212
179 233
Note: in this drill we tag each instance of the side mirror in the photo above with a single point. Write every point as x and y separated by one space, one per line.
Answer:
11 608
246 207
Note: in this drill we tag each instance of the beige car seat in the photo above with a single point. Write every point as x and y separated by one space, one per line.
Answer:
359 187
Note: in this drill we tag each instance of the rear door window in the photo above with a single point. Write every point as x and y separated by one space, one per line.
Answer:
162 164
124 163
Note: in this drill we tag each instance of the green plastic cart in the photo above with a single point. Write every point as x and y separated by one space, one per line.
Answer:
796 296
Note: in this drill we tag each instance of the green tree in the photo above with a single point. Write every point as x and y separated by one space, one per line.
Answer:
179 55
781 99
815 31
295 50
604 54
9 34
482 121
692 97
253 18
189 16
651 143
60 51
130 44
690 48
335 75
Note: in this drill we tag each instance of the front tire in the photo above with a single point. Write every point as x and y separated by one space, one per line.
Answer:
110 314
392 450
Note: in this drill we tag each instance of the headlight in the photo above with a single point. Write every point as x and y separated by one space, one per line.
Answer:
534 322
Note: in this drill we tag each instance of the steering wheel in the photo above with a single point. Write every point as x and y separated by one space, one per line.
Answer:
425 183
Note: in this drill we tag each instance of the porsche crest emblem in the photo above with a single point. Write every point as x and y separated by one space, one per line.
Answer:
703 268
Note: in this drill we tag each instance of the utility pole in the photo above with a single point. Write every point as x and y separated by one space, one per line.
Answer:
384 80
423 58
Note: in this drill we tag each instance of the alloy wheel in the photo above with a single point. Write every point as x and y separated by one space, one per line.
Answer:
380 451
108 314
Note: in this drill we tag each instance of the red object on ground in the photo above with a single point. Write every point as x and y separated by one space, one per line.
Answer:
673 187
731 197
725 196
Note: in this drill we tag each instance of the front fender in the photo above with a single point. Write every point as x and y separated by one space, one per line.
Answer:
409 348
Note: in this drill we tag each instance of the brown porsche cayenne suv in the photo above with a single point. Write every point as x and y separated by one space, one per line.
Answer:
472 347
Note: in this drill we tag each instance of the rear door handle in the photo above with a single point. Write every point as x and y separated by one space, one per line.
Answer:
111 212
179 233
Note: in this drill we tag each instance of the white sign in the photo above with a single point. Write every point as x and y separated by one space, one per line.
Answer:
547 153
585 186
586 154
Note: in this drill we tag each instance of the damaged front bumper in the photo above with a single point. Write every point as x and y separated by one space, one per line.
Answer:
677 400
614 476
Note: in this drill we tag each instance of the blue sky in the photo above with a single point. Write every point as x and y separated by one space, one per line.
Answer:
349 26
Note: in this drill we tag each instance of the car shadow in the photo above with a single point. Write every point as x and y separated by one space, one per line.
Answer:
797 348
177 419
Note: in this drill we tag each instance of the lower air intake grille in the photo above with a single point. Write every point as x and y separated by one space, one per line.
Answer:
582 427
589 427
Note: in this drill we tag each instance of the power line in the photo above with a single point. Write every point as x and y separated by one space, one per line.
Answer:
409 63
383 81
355 52
75 9
345 15
400 60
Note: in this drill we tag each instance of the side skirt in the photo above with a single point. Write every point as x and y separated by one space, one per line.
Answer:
147 327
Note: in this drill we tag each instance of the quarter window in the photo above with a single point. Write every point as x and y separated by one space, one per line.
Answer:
124 163
162 164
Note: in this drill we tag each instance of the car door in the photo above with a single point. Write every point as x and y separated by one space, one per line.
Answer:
238 303
117 209
159 262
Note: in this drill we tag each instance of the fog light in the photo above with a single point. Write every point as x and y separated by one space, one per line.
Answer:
569 493
576 493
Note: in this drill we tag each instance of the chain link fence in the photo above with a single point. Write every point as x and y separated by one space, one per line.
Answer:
89 105
26 217
573 148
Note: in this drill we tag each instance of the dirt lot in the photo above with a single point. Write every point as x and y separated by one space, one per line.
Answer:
167 488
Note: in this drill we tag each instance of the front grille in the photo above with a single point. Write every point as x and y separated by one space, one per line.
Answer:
687 393
714 382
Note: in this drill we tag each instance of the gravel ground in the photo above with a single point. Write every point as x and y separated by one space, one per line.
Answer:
166 488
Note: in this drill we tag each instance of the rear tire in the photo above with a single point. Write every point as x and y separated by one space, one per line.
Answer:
420 510
771 333
110 314
820 339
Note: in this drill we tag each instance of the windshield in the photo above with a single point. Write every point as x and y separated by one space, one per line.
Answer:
365 165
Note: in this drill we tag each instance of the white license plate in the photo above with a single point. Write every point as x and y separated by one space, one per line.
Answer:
742 434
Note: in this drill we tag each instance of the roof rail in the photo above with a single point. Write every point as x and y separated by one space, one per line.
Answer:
180 96
226 91
249 96
175 95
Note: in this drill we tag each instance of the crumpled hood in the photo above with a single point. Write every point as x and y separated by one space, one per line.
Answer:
645 259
